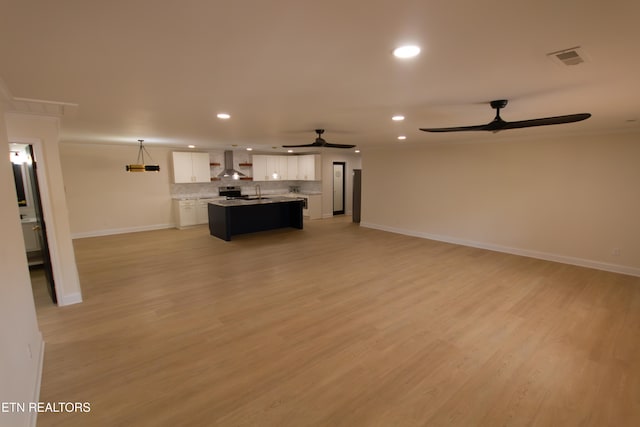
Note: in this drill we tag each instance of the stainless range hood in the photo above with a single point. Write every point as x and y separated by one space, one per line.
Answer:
229 171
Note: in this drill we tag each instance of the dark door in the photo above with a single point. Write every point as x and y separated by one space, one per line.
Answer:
357 188
41 229
338 188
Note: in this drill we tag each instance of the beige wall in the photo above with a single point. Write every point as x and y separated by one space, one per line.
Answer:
20 339
104 198
574 200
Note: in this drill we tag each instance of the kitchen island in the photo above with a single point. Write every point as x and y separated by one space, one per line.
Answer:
239 216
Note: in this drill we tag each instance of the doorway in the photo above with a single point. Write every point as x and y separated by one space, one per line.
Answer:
338 188
34 229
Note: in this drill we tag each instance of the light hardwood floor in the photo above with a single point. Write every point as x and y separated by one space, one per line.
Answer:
337 325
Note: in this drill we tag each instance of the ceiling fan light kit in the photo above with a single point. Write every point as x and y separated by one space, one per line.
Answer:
498 124
139 165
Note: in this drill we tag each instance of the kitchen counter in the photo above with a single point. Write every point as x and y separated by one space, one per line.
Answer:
197 198
239 216
252 201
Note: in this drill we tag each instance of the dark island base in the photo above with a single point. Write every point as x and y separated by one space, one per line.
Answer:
226 221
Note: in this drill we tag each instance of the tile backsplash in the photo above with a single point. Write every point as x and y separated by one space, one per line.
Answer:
204 190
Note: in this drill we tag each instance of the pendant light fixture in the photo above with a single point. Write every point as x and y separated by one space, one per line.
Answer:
140 166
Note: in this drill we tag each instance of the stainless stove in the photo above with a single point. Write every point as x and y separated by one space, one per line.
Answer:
231 192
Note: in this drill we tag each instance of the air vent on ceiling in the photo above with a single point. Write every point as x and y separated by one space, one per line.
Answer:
571 56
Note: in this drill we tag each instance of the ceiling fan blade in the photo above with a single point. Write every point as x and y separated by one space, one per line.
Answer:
330 145
319 142
304 145
557 120
497 124
456 129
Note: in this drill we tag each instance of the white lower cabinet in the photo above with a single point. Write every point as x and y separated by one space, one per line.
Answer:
191 212
185 212
31 242
314 206
202 211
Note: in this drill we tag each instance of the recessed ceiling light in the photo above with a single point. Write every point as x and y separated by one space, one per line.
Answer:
406 51
402 137
357 151
289 151
397 118
249 149
224 116
191 146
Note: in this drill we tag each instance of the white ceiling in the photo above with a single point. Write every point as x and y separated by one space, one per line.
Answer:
161 70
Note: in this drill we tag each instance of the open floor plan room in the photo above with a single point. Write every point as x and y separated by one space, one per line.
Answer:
337 325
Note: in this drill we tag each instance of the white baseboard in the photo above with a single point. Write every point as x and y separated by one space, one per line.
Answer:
74 298
33 418
98 233
615 268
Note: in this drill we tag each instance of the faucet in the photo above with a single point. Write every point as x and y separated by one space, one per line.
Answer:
258 192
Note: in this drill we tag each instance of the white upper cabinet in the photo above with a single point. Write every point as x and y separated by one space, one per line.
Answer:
292 168
277 168
259 168
309 167
201 167
287 168
270 168
191 167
